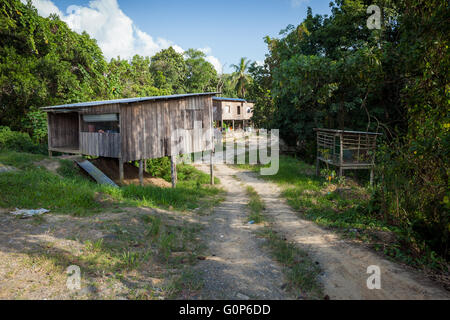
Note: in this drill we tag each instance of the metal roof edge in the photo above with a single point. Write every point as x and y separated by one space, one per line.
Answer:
124 101
229 99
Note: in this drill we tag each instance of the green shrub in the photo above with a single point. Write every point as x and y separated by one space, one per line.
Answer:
35 123
159 168
18 141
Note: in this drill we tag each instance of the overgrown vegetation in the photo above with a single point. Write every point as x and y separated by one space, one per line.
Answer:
34 187
44 63
347 207
334 72
256 206
161 168
20 141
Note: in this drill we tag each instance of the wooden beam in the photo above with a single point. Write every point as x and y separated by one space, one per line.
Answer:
121 171
49 137
211 166
141 172
173 171
211 154
341 156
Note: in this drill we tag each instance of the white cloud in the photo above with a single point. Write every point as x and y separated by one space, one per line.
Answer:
115 32
298 3
211 59
45 7
215 62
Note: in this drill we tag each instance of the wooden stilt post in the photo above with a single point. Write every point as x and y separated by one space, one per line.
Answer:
371 176
173 171
341 154
121 171
141 172
211 166
50 153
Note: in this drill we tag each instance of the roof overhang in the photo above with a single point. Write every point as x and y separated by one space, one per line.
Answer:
123 101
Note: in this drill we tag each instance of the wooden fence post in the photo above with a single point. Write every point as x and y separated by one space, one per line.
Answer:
211 166
121 171
173 171
141 172
341 155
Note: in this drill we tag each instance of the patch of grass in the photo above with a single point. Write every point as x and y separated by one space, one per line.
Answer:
344 206
301 272
34 188
38 188
183 285
256 206
20 160
131 260
187 195
153 225
323 202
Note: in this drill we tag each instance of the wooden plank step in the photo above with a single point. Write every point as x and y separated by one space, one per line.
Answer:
95 173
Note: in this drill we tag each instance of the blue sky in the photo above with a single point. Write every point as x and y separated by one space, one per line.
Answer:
224 30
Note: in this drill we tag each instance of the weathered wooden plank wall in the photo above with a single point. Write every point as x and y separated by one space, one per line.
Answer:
147 127
100 144
63 129
101 109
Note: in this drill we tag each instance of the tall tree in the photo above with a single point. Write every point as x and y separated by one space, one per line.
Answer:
241 77
200 74
43 62
168 69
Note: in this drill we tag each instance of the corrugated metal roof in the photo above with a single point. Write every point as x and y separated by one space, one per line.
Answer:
229 99
125 101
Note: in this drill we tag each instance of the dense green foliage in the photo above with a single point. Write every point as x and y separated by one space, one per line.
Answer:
44 63
333 72
347 207
19 141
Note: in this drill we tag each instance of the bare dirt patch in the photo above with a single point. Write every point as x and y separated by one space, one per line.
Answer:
117 258
51 165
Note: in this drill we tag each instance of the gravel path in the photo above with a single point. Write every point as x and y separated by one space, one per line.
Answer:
236 267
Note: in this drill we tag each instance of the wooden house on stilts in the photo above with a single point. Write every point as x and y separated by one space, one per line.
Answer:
133 129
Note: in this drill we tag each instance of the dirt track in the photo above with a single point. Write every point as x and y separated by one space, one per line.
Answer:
236 266
344 264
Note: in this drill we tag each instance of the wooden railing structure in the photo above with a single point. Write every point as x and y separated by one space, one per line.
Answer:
100 144
346 149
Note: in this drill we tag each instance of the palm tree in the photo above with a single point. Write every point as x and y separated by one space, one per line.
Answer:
240 77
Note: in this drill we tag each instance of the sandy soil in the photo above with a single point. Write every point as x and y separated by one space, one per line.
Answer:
34 255
344 263
236 267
